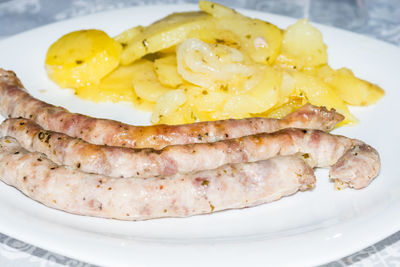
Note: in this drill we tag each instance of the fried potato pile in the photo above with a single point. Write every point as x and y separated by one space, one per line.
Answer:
208 65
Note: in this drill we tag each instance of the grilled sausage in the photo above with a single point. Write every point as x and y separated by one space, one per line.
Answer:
318 148
228 187
16 102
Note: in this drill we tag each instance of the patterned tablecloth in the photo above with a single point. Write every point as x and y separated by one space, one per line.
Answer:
378 19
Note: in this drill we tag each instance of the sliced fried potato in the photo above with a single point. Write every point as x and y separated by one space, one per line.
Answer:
319 93
163 34
203 100
145 81
287 88
82 58
166 70
260 39
182 115
126 36
216 10
351 89
208 101
302 46
115 87
286 108
168 103
212 34
258 99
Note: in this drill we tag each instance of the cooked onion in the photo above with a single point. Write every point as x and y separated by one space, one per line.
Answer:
210 66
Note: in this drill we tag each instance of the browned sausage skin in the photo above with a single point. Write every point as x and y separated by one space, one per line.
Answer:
318 148
228 187
16 102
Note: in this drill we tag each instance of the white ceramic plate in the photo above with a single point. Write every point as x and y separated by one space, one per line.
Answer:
308 228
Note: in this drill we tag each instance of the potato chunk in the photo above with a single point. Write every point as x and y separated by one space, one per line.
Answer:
115 87
126 36
351 89
303 46
259 39
168 103
286 108
216 10
319 93
166 70
203 100
163 34
145 81
82 58
262 97
209 101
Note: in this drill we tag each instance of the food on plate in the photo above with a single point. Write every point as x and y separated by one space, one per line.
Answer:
146 83
228 187
167 72
319 149
209 65
319 93
124 37
253 103
352 162
126 162
117 86
260 40
353 91
16 102
302 47
82 58
163 34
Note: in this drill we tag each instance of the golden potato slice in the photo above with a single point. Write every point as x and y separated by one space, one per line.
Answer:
302 46
212 34
115 87
82 58
201 105
351 89
145 81
126 36
268 88
167 104
162 34
319 93
216 10
203 100
208 101
259 39
287 87
166 70
208 116
281 111
184 114
258 99
240 106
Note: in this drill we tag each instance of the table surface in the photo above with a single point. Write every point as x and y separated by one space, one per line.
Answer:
377 19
